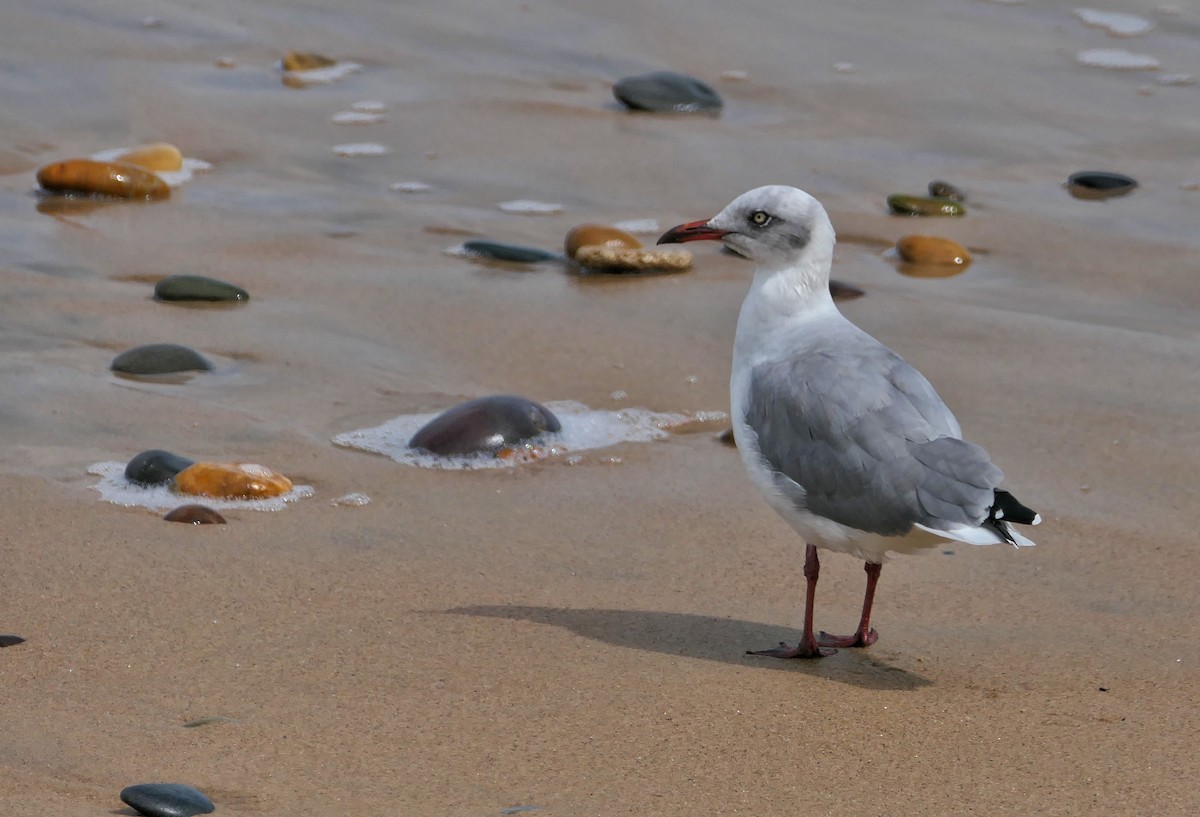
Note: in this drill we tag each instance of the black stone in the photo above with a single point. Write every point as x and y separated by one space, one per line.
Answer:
197 288
945 190
486 425
166 800
667 92
509 252
10 640
155 467
1099 184
160 358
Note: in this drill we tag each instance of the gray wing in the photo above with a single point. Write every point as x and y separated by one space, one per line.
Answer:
867 439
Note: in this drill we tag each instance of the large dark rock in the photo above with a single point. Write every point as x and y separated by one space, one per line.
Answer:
667 92
160 358
486 425
166 800
155 467
197 288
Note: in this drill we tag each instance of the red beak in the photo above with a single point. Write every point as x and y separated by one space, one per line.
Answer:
692 231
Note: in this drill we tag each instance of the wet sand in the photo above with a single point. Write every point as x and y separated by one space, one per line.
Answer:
572 637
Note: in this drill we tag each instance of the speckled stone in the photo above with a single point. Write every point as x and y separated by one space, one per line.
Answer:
486 425
197 288
166 800
160 358
155 467
667 92
500 251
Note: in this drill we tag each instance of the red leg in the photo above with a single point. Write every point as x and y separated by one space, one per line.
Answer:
864 636
808 647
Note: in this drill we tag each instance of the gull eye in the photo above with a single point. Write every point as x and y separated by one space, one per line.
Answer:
760 218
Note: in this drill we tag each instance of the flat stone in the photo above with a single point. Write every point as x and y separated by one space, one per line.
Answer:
932 249
841 291
667 92
1099 184
508 252
486 425
160 358
195 515
90 176
903 205
231 480
154 467
197 288
10 640
166 800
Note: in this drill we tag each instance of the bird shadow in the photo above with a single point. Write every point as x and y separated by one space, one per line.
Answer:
707 638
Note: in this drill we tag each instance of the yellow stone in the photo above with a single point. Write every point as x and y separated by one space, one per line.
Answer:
154 156
598 235
305 61
624 259
931 249
231 480
107 178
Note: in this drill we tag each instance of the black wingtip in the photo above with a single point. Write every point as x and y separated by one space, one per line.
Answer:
1005 506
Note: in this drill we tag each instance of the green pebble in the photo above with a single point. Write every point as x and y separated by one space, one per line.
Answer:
160 358
924 206
197 288
508 252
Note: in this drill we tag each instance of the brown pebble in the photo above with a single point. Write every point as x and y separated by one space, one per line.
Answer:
931 249
841 291
154 156
231 480
726 438
106 178
598 235
305 61
195 515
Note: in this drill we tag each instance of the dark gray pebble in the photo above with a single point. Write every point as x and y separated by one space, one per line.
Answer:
197 288
944 190
160 358
486 425
155 467
667 92
166 800
1099 184
10 640
509 252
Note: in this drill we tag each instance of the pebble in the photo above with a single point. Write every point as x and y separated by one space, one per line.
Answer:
231 480
154 156
154 467
102 178
486 425
166 800
305 61
508 252
667 92
10 640
195 515
597 235
944 190
160 358
622 259
208 719
841 291
932 249
197 288
922 206
1099 184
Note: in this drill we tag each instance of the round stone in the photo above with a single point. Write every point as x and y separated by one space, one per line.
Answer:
944 190
667 92
231 480
922 206
155 156
932 249
305 61
155 467
195 515
166 800
90 176
486 425
1099 184
598 235
508 252
197 288
160 358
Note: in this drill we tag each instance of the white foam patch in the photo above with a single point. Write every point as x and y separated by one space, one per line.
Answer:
361 149
528 207
369 106
173 178
1114 22
1117 58
1176 79
357 118
114 488
639 226
583 429
411 187
322 76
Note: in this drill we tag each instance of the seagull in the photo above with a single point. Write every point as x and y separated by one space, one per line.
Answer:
845 440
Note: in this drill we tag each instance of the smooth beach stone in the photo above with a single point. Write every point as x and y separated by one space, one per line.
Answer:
597 235
922 206
155 467
932 249
195 515
231 480
842 291
10 640
944 190
208 720
305 61
104 178
154 156
166 800
667 91
485 425
160 358
508 252
197 288
623 260
1099 184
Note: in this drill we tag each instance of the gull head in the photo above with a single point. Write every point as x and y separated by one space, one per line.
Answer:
776 225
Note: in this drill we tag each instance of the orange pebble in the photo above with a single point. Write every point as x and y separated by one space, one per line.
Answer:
154 156
231 480
598 235
107 178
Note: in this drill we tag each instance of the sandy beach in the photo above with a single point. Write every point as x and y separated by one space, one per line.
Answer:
571 637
